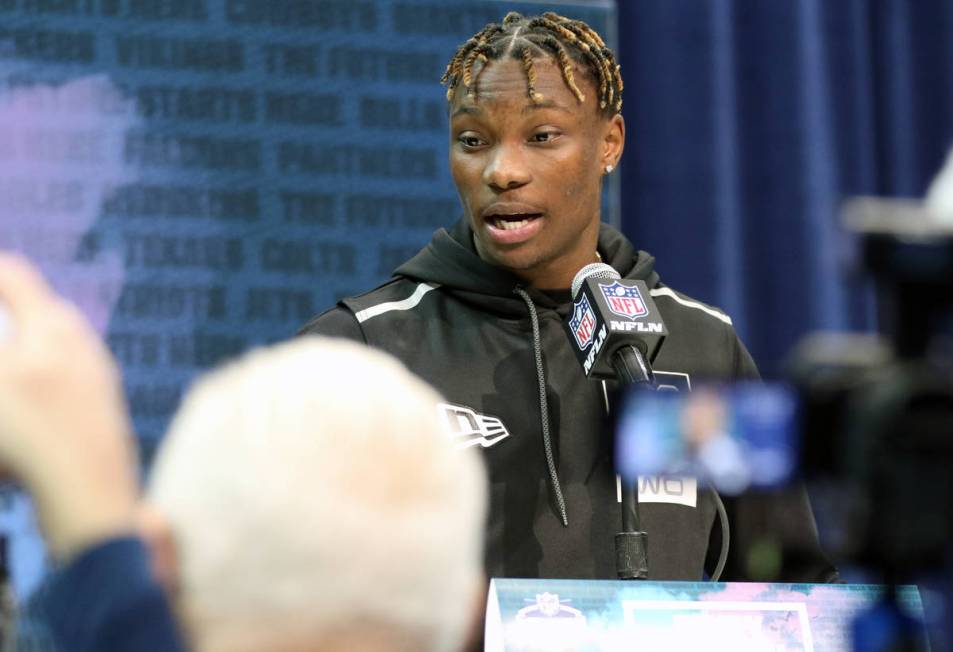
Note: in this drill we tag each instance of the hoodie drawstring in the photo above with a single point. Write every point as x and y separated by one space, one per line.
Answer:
543 407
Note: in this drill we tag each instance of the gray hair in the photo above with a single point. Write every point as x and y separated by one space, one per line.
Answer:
311 488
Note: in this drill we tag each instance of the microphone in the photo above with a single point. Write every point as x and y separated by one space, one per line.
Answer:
615 327
616 330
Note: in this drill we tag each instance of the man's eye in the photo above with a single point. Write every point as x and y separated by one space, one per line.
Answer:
545 136
470 141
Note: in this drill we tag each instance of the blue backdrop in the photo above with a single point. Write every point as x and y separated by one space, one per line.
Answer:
750 121
204 176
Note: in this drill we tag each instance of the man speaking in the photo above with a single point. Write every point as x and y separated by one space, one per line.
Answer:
535 125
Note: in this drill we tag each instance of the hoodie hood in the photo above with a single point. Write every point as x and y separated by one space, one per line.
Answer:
451 261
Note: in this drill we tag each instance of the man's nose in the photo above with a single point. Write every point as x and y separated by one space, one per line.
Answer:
507 168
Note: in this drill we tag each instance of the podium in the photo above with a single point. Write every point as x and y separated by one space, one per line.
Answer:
583 615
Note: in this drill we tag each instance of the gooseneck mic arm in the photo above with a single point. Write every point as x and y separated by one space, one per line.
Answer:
631 367
631 544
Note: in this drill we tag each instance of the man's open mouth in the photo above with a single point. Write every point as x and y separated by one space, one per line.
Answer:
512 222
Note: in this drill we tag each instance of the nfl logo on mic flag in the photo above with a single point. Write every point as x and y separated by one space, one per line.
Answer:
625 301
607 314
583 323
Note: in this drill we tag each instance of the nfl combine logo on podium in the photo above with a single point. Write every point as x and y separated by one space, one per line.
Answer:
583 323
624 301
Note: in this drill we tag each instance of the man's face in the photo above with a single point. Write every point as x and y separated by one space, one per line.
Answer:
529 174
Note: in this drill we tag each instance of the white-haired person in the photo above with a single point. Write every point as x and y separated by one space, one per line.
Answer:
306 496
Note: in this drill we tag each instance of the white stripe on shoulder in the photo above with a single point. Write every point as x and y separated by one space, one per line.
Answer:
668 292
404 304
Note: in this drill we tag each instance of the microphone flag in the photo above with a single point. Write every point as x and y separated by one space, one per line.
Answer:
609 313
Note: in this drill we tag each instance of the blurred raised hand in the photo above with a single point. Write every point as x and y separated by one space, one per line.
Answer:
65 433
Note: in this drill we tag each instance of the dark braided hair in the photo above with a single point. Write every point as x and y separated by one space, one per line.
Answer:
526 37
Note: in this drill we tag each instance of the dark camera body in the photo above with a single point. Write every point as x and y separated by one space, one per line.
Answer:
884 434
877 411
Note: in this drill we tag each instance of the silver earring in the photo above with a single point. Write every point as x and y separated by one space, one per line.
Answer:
609 169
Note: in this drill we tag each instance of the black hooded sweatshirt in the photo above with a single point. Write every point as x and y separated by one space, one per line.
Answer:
467 327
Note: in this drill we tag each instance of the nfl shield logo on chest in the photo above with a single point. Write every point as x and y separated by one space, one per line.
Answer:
583 323
624 301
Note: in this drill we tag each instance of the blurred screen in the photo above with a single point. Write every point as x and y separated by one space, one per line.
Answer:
731 436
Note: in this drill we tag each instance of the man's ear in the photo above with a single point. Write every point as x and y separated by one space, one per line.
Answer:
156 533
613 141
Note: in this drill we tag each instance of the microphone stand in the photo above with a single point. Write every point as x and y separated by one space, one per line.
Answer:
631 544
